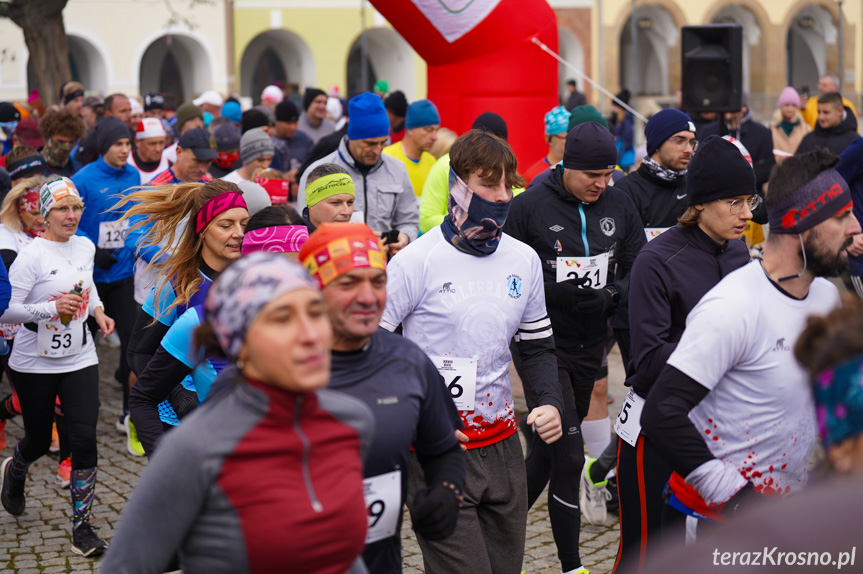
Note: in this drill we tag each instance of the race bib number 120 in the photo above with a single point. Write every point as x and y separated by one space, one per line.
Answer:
112 234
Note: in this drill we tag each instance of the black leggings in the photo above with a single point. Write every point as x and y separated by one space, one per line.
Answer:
79 395
119 300
559 465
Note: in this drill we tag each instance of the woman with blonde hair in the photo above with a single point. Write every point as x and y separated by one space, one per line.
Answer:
200 228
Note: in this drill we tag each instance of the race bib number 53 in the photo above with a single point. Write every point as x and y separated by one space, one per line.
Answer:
57 340
459 376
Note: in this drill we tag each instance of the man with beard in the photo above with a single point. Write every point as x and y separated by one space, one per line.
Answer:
732 411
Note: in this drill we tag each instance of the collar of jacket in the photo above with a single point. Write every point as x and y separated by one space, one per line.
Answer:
109 169
644 171
346 156
702 241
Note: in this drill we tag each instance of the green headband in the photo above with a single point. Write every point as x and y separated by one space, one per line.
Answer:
328 186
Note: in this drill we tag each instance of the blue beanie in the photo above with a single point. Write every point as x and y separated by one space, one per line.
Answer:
421 114
232 111
663 125
556 121
369 117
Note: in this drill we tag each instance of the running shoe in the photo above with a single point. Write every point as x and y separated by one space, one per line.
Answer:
12 493
593 496
120 425
2 435
64 473
85 542
55 439
133 445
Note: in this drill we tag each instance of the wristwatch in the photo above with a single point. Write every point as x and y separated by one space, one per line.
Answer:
615 295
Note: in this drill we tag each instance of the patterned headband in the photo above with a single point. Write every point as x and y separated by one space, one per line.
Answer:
276 239
810 204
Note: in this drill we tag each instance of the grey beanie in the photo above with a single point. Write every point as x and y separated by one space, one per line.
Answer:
254 144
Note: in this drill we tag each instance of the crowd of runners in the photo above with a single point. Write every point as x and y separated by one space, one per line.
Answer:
317 303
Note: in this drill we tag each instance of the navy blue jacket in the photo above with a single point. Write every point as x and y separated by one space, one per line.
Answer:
851 168
556 224
670 275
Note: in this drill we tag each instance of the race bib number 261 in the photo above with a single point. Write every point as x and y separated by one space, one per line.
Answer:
593 270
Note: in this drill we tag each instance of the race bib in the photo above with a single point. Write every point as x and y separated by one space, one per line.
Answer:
459 376
653 232
383 494
594 269
56 340
112 234
628 423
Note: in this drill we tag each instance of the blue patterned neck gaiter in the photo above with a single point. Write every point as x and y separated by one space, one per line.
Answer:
473 225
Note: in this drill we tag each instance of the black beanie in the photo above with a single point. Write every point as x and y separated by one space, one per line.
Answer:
108 131
253 118
397 103
310 95
287 111
718 170
589 146
492 122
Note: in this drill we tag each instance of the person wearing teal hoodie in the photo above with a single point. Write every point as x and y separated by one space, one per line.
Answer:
101 184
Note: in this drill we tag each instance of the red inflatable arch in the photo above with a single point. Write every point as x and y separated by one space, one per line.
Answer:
480 58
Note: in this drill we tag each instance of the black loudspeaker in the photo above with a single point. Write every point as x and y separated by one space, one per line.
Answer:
712 70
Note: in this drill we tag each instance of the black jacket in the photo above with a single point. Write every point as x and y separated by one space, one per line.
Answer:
756 138
670 275
549 219
659 202
835 139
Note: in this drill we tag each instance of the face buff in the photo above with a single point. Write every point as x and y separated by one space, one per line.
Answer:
57 154
473 225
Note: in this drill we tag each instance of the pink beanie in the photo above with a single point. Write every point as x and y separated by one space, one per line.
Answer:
788 96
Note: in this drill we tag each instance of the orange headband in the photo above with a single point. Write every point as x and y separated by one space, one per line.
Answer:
336 248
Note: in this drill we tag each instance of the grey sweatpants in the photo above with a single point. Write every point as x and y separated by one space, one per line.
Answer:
489 536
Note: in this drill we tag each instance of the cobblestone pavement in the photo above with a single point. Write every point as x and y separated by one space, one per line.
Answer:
39 540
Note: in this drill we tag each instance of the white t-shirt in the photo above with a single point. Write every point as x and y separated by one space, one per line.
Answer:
43 272
738 343
13 241
453 304
146 176
234 177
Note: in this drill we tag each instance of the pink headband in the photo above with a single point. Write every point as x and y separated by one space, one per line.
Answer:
219 204
278 239
29 201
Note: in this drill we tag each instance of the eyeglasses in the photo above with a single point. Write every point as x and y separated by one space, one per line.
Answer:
736 205
65 209
683 143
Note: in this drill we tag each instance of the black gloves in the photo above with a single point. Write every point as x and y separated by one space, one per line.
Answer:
742 499
104 258
435 511
586 302
592 302
182 400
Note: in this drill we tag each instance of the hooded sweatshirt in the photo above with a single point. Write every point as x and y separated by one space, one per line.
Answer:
836 139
